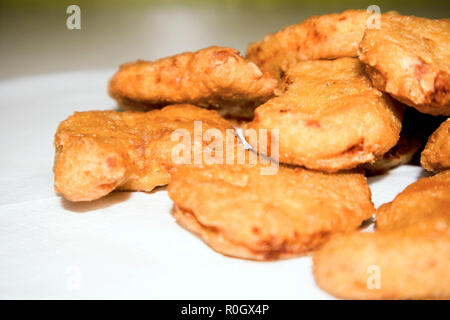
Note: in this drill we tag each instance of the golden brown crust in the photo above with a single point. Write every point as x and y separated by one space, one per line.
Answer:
402 153
411 266
214 77
99 151
410 250
409 58
421 202
329 36
329 116
436 155
241 213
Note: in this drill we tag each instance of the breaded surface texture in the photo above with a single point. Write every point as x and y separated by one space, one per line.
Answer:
436 155
418 205
409 58
406 258
409 144
99 151
402 153
241 213
214 77
329 36
329 117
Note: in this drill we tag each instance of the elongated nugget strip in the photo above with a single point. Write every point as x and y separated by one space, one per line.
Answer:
99 151
329 36
214 77
407 257
242 213
436 155
328 116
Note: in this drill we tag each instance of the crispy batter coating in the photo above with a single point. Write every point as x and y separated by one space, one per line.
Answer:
436 155
411 266
409 58
402 153
412 137
409 252
214 77
241 213
418 205
329 36
329 117
99 151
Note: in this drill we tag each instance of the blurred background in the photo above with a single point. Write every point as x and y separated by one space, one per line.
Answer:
34 38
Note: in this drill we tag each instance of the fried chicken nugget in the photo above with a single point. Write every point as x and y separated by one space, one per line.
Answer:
419 204
436 155
406 258
329 36
409 58
402 153
241 213
214 77
329 117
411 140
99 151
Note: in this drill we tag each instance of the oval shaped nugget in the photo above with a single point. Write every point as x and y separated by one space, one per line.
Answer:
99 151
328 117
408 255
241 213
216 77
436 155
409 58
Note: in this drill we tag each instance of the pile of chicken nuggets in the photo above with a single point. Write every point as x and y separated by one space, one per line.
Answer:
326 102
